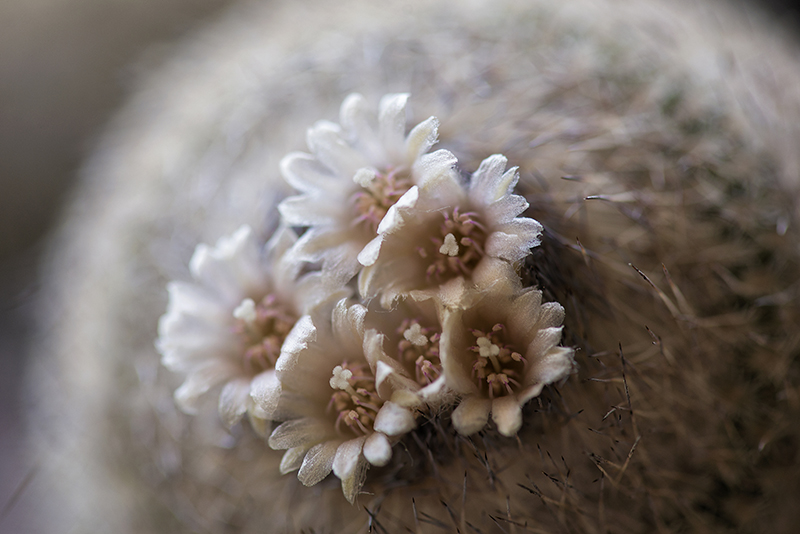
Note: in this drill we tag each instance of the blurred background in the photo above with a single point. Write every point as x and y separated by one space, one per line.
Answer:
65 66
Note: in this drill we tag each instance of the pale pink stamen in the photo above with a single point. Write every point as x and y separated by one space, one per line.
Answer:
262 327
377 195
457 248
497 367
354 400
420 346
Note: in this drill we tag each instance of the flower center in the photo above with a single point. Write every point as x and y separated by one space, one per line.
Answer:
498 367
457 249
263 327
354 401
420 347
380 192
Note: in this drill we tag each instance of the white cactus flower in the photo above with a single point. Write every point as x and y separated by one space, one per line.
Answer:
227 326
340 418
498 354
356 172
448 239
404 349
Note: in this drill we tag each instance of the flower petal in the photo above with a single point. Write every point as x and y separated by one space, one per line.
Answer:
552 367
454 353
434 392
260 425
507 415
329 146
489 183
546 339
406 398
368 256
305 173
303 431
394 220
524 314
377 449
435 171
317 293
334 248
187 343
306 210
421 138
351 467
394 420
231 268
198 382
390 379
355 118
513 241
505 209
495 275
471 414
551 314
348 326
186 299
293 459
392 124
280 242
265 390
233 400
373 348
302 333
529 392
317 463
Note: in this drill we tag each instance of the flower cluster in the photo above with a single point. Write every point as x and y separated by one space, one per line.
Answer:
389 292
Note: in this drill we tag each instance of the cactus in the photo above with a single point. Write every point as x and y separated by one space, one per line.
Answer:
656 145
